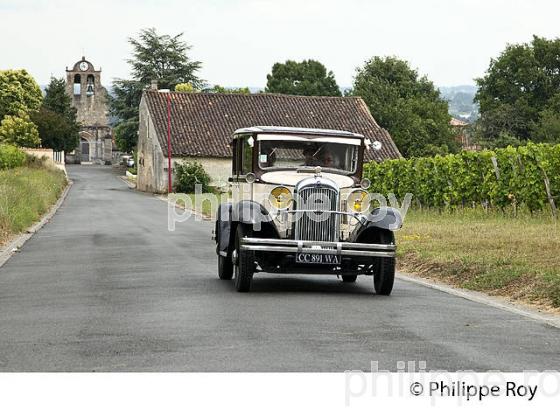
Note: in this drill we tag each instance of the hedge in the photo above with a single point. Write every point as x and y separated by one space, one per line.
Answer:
11 156
527 176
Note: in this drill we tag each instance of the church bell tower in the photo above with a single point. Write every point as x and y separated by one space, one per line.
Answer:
90 98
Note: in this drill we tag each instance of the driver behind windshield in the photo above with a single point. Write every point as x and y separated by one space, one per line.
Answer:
328 159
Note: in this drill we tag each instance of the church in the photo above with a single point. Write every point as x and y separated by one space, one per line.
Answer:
90 98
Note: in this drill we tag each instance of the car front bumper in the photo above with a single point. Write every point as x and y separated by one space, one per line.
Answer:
318 247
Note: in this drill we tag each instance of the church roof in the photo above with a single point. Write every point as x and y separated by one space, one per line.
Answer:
202 124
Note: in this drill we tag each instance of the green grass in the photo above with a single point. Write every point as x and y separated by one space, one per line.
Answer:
513 257
25 195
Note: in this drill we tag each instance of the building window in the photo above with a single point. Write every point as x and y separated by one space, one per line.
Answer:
90 85
77 84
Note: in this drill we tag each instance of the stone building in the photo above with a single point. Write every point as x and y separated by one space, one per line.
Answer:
202 126
90 98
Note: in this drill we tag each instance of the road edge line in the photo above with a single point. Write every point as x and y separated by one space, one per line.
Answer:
14 246
479 297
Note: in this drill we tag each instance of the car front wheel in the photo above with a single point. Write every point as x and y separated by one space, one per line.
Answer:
384 276
225 267
244 263
382 269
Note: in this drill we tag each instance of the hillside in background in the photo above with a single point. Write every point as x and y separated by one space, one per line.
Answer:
461 104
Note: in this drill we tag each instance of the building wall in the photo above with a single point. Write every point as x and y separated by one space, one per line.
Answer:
152 164
219 169
150 167
55 159
100 144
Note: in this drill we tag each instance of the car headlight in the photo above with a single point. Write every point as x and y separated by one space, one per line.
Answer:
280 197
358 201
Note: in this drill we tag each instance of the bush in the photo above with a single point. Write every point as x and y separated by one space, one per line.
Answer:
11 156
188 175
185 88
19 130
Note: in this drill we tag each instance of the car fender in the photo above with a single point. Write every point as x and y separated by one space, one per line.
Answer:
250 213
223 227
384 218
247 212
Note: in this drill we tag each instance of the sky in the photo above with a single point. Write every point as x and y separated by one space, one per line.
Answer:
238 41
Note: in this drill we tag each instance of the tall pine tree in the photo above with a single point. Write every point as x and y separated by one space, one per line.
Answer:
154 57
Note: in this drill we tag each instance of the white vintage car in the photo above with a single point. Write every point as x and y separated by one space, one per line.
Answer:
299 205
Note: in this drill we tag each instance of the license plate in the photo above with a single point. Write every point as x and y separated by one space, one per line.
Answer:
317 258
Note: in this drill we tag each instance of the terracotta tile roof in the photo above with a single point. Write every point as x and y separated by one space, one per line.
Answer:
202 124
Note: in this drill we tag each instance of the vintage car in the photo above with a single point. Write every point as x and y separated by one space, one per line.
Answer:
299 205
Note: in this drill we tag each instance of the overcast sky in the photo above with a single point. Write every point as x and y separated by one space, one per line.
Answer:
237 41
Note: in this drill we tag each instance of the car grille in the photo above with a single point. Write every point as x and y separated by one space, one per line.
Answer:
325 226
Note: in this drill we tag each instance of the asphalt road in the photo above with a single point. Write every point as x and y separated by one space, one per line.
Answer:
105 287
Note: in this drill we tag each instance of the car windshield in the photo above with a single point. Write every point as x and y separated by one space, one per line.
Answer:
301 154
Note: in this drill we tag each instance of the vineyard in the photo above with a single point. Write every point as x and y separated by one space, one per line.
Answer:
509 179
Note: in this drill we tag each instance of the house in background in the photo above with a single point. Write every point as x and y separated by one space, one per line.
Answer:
202 126
463 135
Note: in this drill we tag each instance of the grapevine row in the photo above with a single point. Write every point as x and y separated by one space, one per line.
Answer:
527 176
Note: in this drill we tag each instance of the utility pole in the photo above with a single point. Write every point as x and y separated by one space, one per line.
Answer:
169 173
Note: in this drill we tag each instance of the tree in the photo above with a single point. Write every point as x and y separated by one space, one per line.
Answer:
57 99
408 106
124 104
56 120
309 77
19 130
55 130
18 93
218 89
547 129
523 82
185 88
162 58
154 57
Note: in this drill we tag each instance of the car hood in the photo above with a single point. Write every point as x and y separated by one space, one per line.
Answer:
291 178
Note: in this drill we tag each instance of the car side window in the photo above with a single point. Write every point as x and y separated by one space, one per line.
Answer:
246 155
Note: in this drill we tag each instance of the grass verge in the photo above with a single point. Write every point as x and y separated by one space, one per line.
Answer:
26 193
517 258
205 204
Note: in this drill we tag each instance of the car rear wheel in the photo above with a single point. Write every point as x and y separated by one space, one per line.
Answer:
244 264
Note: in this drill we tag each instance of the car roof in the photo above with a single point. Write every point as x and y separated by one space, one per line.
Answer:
295 130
